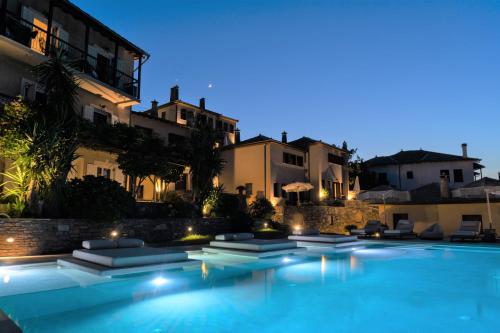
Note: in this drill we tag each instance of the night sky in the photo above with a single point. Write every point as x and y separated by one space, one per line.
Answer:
382 75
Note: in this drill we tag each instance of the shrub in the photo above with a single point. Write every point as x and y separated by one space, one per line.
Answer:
177 206
98 198
228 205
261 208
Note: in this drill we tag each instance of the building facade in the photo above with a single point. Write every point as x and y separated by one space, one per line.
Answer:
261 166
108 67
408 170
173 122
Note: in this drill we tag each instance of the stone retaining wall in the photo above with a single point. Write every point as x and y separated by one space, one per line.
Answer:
328 219
45 236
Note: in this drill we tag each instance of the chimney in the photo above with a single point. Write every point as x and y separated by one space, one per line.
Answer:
464 150
284 139
237 135
174 93
202 103
154 108
444 187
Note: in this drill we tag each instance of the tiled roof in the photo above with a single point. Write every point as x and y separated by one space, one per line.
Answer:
486 181
255 139
416 156
304 143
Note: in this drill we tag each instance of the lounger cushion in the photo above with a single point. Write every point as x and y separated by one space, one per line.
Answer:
323 238
358 231
466 233
96 244
126 257
306 232
470 226
258 245
394 232
224 237
242 236
130 242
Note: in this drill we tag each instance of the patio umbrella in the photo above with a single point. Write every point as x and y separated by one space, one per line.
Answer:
298 187
356 189
488 192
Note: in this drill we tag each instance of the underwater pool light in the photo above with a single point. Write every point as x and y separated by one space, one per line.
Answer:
160 281
286 259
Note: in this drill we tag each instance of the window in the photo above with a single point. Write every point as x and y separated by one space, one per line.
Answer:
323 183
276 190
335 159
101 117
293 159
338 192
445 173
104 172
218 124
183 114
163 115
226 128
409 174
231 128
211 122
202 119
248 188
300 161
458 176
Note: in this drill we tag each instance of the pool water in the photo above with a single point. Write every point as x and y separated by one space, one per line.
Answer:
375 289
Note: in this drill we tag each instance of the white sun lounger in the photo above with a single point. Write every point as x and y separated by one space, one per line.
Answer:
468 230
371 227
403 228
258 248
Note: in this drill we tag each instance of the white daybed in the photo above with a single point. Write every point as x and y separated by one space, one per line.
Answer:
124 256
244 244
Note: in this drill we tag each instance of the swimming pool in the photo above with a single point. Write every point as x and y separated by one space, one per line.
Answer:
373 289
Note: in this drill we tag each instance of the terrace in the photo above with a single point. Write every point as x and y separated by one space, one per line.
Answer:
108 64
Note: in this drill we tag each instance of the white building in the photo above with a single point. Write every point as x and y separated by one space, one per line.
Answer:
411 169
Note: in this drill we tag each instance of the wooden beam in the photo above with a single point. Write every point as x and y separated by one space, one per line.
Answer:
49 27
139 78
3 17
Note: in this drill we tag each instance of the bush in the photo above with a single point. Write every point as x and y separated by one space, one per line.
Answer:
176 206
98 198
261 208
228 205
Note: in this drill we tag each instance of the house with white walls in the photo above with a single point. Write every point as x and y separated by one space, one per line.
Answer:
411 169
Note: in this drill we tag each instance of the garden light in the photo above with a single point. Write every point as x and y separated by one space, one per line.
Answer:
10 240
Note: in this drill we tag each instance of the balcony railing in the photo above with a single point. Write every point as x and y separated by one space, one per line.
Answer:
102 69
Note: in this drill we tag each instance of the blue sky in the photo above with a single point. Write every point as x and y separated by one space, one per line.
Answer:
382 75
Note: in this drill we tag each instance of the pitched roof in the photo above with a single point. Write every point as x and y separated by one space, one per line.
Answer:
486 181
305 141
416 156
256 139
179 101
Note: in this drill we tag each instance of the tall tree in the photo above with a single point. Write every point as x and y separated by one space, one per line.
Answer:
204 160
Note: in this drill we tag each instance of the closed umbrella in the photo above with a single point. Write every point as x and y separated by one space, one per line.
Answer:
298 187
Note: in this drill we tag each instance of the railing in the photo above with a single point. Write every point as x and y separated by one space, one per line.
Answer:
35 37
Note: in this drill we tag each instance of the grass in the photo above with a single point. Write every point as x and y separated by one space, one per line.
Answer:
193 239
269 233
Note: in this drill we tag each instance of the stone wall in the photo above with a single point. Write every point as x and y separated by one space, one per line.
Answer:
21 237
328 219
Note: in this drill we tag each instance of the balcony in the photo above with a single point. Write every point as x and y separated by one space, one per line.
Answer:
98 74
